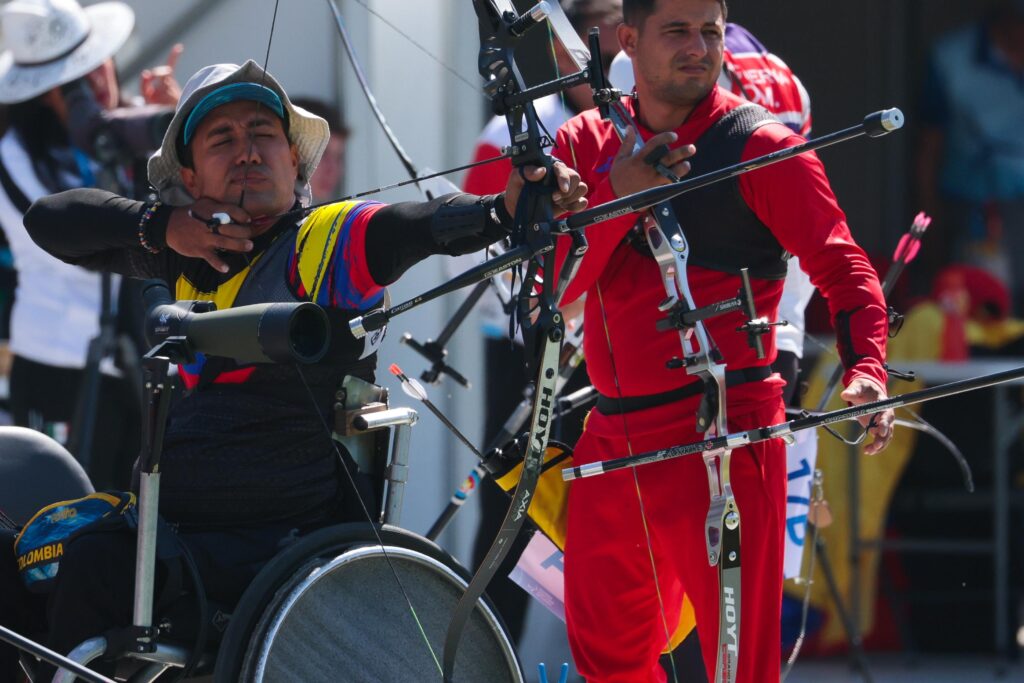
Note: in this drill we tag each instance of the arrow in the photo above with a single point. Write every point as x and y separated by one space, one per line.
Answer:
785 429
414 389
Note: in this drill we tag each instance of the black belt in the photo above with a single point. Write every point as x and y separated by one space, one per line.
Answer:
609 405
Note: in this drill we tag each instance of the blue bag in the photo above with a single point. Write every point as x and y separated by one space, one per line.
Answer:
40 545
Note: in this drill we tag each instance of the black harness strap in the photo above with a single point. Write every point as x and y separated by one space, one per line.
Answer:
609 405
724 234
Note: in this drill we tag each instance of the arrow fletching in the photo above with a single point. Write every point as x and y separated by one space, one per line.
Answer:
910 244
410 386
907 249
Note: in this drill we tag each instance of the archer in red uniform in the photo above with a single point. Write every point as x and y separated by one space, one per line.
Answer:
636 544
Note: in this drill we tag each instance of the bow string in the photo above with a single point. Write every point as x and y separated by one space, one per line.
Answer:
364 85
411 170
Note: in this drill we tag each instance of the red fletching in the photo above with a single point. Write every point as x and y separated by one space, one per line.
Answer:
907 249
910 243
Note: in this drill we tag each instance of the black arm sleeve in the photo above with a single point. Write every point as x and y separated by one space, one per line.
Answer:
401 235
99 230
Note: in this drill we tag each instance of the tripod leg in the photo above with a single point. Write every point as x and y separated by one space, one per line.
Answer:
103 345
83 422
853 637
130 367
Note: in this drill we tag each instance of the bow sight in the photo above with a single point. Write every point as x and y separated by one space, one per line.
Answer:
681 317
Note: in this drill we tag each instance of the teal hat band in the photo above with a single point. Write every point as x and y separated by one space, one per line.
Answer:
230 93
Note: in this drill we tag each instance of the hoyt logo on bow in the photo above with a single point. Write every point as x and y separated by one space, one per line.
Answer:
539 442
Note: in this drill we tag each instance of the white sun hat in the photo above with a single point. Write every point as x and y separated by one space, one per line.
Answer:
214 85
47 43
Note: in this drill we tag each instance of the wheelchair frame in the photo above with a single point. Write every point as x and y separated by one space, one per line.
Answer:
372 418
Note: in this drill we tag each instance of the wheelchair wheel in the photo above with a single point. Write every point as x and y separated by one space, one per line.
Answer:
329 609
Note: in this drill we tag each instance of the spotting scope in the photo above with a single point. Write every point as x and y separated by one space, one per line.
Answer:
294 332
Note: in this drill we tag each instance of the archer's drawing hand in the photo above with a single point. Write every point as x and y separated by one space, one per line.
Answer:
863 390
632 173
189 235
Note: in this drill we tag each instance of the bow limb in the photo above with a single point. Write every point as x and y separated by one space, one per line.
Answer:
541 321
364 85
922 425
919 424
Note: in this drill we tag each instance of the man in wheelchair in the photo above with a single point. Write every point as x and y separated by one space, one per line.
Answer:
247 463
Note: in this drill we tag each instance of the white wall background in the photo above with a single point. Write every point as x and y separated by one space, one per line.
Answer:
436 116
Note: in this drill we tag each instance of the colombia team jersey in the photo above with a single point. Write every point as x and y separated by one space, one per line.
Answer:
319 260
251 444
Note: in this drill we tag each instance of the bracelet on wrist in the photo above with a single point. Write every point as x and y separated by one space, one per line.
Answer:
147 215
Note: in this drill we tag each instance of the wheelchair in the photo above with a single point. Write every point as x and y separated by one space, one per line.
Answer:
328 607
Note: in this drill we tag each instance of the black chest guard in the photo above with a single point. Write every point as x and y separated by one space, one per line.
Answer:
723 232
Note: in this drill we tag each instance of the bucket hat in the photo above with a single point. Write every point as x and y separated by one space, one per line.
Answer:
217 84
47 43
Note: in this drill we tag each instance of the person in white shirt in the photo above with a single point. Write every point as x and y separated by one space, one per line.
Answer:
57 51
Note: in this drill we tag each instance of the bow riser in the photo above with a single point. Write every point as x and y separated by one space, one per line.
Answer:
541 322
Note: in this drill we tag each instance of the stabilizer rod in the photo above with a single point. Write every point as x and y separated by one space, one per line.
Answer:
784 429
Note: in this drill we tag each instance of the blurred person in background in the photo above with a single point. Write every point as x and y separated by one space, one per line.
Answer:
970 163
58 81
329 177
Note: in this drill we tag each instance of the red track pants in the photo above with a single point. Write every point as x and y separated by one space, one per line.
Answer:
617 627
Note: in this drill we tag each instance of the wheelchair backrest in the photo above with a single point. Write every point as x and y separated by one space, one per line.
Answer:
35 471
